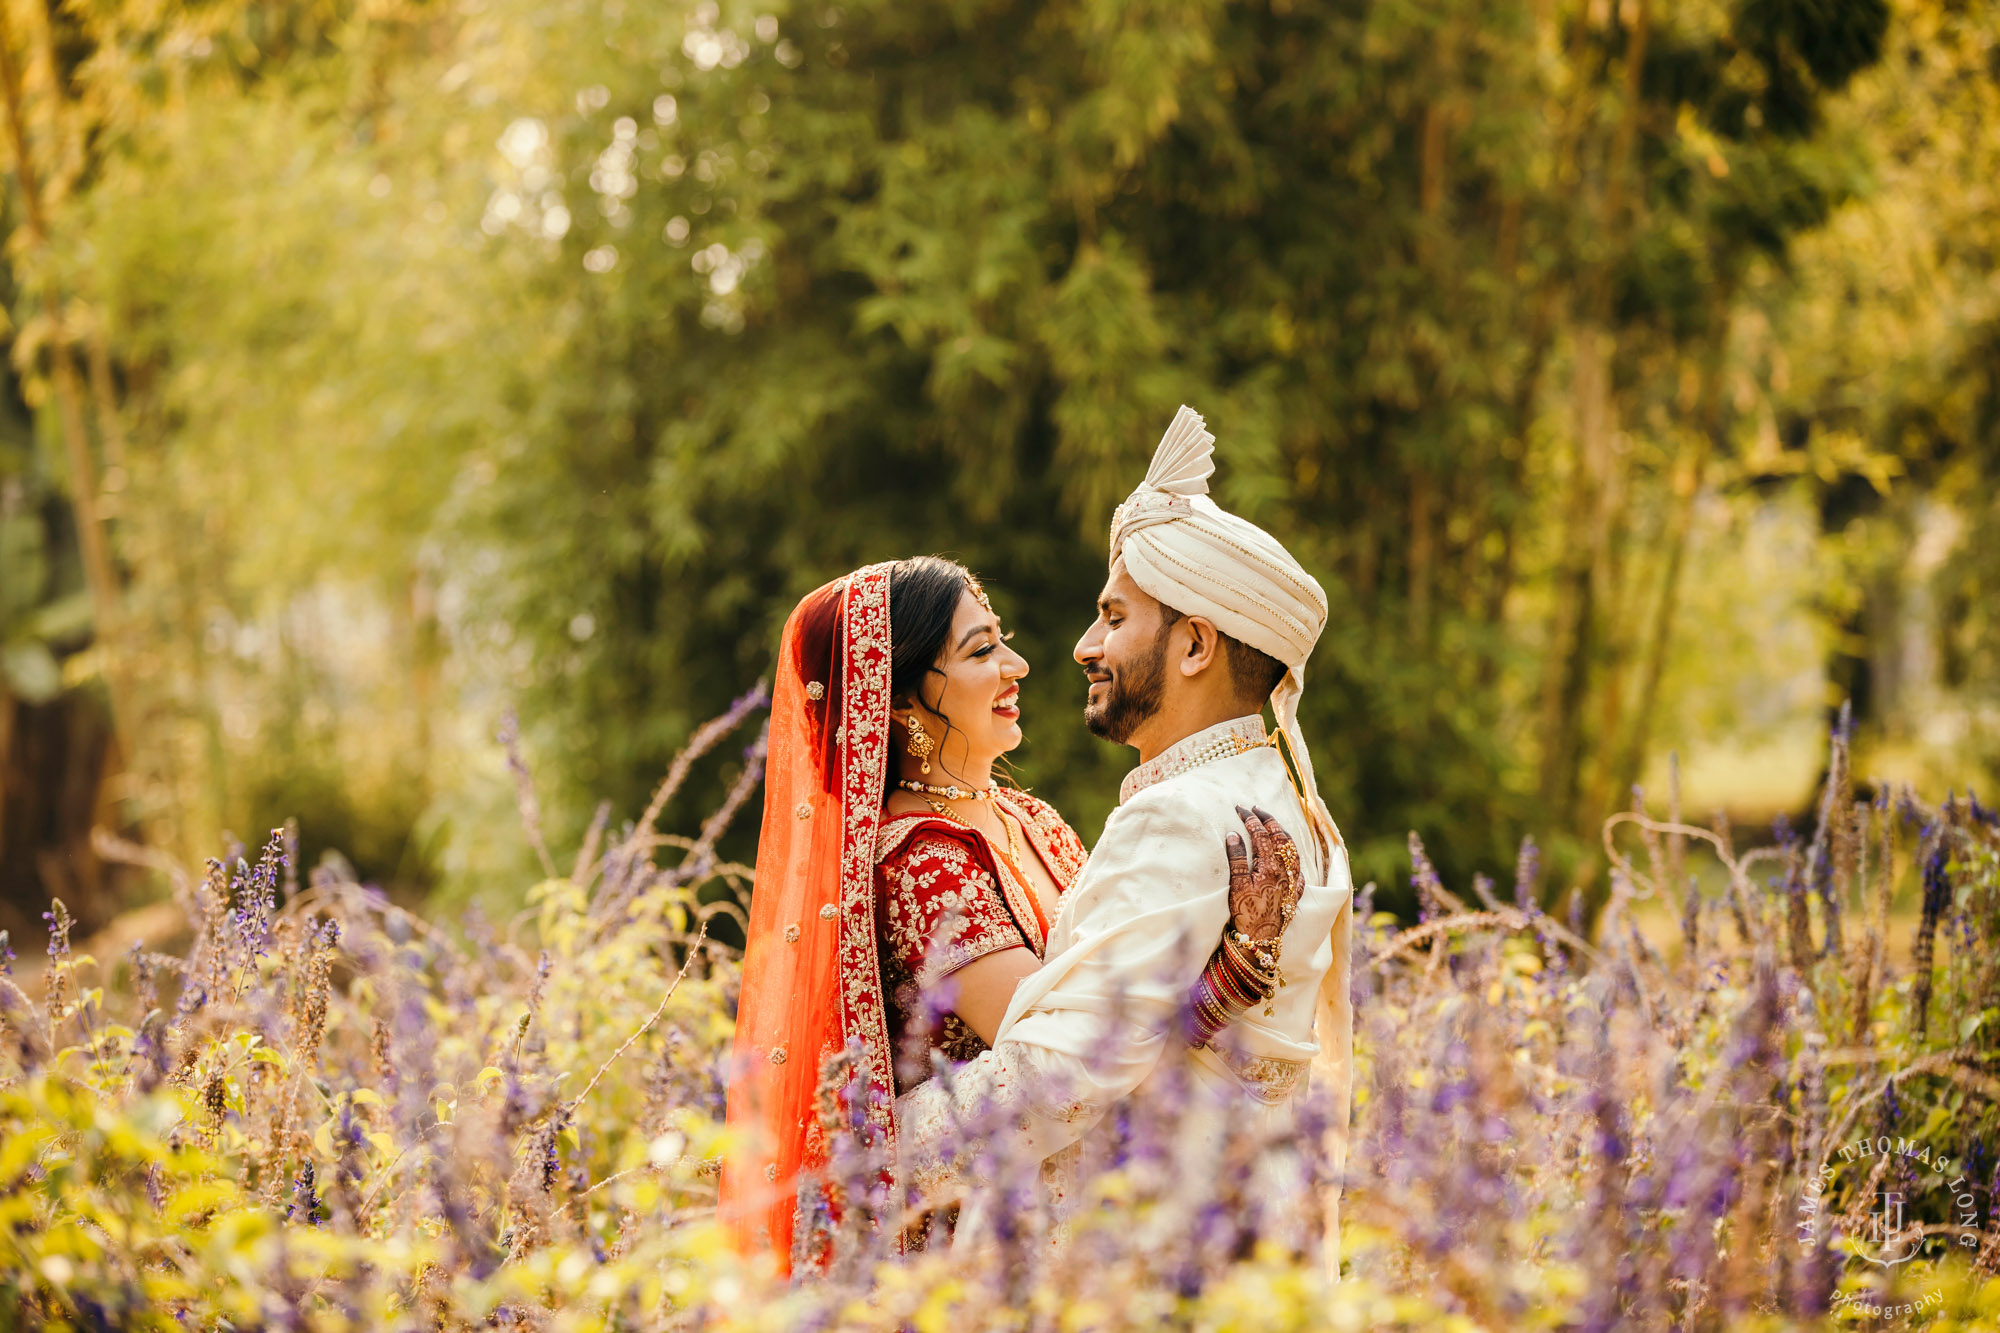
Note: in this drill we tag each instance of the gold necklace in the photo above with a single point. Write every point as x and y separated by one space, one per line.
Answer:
1013 843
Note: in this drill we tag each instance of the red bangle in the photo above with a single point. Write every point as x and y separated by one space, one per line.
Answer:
1246 986
1208 1017
1226 979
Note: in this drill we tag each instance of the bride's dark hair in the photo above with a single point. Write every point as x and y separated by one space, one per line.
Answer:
923 598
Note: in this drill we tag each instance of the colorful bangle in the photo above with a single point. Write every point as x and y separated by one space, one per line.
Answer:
1241 985
1207 1018
1264 953
1263 980
1235 985
1235 988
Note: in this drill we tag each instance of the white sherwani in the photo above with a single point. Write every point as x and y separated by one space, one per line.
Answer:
1100 1020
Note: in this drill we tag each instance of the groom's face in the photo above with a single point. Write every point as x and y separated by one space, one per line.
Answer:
1124 654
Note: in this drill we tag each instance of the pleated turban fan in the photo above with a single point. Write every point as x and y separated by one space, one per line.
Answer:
1186 551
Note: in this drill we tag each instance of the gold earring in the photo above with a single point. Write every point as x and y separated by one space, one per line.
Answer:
921 743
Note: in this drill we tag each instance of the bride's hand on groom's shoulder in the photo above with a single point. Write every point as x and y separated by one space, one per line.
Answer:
1264 878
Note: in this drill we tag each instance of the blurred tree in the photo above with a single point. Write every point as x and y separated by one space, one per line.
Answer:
576 340
941 298
1887 328
114 108
54 741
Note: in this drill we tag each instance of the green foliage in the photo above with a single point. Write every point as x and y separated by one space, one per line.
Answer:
33 625
44 612
563 345
331 1114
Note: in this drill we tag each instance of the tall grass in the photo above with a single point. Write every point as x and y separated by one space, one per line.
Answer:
329 1113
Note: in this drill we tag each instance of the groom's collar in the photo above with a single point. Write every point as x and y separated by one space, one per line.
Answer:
1221 741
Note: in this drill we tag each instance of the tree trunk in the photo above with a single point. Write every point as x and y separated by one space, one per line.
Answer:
1566 676
1615 637
1422 557
1582 581
1688 475
97 568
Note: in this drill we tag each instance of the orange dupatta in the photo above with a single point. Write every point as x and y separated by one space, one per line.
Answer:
812 983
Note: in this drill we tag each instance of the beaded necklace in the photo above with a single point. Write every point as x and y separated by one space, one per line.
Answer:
951 791
1172 763
1013 841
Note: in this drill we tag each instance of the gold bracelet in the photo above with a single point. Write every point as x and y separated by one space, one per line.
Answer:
1265 970
1241 985
1264 951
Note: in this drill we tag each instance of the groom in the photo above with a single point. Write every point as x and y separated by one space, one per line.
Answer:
1204 618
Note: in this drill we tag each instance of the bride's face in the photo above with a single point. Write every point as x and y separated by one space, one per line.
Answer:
972 699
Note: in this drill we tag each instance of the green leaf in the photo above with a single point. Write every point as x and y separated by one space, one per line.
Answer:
29 671
64 618
193 1200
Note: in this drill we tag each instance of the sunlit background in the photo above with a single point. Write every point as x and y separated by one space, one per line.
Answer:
1628 373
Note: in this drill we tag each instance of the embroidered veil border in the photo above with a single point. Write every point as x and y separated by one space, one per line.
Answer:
812 984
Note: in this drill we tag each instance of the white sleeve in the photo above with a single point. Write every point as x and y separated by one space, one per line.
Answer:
1086 1028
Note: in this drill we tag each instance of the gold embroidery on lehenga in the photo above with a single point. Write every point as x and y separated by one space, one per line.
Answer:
1267 1078
942 905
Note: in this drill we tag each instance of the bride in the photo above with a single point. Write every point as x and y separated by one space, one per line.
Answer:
889 860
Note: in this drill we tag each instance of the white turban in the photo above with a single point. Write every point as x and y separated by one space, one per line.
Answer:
1182 549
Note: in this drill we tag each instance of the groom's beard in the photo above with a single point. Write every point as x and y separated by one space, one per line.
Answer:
1131 695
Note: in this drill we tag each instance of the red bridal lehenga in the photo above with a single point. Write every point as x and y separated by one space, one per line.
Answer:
854 912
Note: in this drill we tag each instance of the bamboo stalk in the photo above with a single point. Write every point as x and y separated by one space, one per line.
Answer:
1680 522
1586 581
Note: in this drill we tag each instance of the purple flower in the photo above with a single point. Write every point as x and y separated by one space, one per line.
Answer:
60 923
305 1199
1527 873
1424 879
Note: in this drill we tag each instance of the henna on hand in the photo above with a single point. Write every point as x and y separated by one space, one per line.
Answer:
1288 855
1265 884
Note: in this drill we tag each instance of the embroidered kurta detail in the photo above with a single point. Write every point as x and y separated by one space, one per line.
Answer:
1268 1078
1098 1019
1224 740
